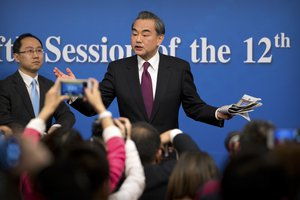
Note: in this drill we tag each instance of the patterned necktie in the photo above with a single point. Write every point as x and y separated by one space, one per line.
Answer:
35 98
146 87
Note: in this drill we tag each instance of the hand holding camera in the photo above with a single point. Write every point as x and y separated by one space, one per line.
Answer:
75 87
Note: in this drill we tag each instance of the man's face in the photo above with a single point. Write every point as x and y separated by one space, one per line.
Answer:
30 56
144 39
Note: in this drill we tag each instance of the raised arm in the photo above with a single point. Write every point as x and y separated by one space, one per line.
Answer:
134 184
111 135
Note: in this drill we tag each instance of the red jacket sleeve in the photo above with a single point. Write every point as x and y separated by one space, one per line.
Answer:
116 159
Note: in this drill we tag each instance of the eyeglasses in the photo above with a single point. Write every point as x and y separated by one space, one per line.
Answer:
31 51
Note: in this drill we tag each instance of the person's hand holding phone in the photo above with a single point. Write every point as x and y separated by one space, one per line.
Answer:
52 99
93 96
75 88
124 125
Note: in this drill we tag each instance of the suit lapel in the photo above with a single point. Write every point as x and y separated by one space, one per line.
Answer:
22 91
163 78
135 86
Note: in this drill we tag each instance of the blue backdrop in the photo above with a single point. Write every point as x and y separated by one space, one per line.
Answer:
234 48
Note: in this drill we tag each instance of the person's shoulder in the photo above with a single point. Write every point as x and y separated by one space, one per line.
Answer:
10 77
7 81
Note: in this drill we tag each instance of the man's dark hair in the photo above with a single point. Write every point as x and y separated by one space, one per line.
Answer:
79 174
147 140
254 136
254 177
159 24
232 137
61 140
17 44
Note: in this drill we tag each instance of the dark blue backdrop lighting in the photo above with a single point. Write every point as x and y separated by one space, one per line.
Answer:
234 48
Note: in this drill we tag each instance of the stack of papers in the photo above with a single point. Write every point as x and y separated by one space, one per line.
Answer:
245 105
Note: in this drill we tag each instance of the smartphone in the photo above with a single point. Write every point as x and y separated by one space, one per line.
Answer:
284 135
74 88
281 136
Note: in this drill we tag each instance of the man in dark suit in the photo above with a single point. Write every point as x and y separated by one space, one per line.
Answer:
171 78
16 99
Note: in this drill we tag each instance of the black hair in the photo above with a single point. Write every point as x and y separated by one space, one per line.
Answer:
159 24
18 42
147 140
79 174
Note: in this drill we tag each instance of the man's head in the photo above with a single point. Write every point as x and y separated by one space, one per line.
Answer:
81 172
147 33
255 135
147 140
232 142
28 52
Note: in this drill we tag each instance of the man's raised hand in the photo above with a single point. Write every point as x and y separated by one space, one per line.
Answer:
60 74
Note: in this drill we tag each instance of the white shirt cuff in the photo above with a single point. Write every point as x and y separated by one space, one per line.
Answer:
38 125
174 133
111 131
56 125
216 115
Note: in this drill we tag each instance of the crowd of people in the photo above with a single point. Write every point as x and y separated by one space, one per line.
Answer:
140 155
127 161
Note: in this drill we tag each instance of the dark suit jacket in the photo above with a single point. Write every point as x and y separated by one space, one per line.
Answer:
16 107
175 87
157 176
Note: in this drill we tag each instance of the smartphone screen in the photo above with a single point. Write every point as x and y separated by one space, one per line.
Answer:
73 88
284 135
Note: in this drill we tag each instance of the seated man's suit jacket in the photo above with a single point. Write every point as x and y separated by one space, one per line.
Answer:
16 106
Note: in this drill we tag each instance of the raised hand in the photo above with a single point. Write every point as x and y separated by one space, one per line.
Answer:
93 96
60 74
52 100
124 125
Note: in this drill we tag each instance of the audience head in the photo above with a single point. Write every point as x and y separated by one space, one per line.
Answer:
288 155
62 139
255 135
82 173
232 142
9 186
254 176
147 140
192 171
